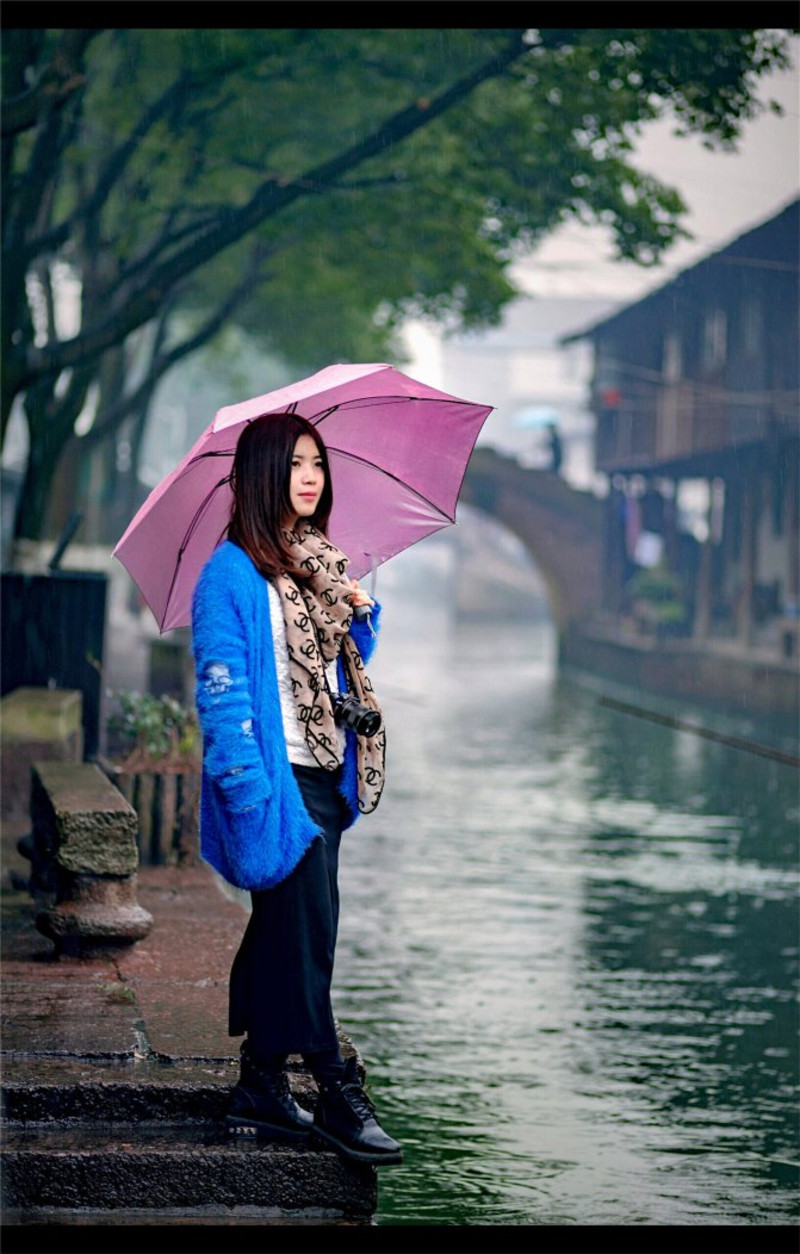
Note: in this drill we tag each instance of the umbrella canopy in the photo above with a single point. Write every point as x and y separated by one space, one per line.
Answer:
398 452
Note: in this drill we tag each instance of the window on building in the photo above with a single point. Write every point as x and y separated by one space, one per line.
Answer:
715 336
777 493
672 361
752 327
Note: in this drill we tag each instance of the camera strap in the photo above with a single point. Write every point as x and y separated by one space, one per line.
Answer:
331 697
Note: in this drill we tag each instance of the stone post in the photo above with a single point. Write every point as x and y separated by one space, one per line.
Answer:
85 858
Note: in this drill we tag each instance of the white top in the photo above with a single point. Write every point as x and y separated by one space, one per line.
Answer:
296 745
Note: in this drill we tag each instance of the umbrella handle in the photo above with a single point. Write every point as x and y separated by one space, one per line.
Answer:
363 613
373 579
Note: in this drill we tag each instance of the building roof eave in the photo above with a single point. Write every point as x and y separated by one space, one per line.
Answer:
729 250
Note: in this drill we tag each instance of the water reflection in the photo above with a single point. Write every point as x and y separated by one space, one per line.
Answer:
569 947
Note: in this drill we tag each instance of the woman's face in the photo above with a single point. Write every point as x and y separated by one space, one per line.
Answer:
307 479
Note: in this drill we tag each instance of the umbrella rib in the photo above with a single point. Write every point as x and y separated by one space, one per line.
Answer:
187 535
213 452
374 402
364 461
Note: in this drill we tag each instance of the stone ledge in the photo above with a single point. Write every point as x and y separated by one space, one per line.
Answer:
38 1089
84 860
90 825
120 1165
198 1226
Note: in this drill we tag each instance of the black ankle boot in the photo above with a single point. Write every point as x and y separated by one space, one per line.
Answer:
262 1103
346 1117
249 1069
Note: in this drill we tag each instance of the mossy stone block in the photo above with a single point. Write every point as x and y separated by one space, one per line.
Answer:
41 714
84 820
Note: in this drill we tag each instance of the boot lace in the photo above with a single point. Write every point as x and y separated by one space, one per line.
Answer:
278 1085
274 1083
358 1100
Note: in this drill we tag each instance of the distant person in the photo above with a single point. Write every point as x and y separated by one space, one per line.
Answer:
287 766
556 450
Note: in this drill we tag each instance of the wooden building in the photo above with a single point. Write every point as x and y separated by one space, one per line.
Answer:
695 393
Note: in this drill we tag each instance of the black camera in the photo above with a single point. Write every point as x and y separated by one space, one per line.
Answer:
348 712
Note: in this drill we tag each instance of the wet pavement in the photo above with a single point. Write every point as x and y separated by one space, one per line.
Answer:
163 998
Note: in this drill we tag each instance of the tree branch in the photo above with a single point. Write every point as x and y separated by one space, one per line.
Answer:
386 180
273 196
113 415
57 82
113 169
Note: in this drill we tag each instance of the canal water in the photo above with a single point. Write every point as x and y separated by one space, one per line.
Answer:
569 942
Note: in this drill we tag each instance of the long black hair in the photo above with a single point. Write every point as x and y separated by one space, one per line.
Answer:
260 479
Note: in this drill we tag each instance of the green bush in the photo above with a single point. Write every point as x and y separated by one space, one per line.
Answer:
658 598
155 729
656 584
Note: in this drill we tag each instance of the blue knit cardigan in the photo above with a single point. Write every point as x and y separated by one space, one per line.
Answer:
254 827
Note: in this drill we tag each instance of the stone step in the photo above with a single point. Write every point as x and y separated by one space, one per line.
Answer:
200 1218
39 1089
162 1167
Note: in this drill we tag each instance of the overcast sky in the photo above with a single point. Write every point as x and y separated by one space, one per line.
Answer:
726 194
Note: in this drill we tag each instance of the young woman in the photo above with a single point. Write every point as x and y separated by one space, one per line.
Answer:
280 636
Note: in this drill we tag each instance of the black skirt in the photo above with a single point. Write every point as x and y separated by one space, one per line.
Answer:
280 985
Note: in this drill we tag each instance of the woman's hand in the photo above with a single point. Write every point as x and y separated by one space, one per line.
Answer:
358 597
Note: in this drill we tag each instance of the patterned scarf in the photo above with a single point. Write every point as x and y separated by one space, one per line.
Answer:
318 618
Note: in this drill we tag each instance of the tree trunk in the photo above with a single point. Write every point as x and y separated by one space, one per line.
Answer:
51 420
63 499
43 459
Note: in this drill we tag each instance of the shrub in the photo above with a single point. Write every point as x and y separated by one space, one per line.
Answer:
152 730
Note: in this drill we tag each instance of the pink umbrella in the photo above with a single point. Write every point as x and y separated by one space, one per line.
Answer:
398 452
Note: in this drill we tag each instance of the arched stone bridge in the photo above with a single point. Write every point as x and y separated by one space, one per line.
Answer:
561 527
